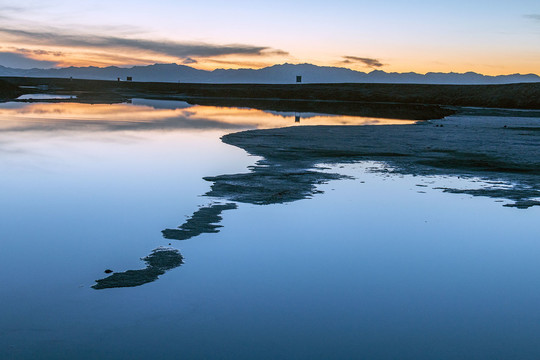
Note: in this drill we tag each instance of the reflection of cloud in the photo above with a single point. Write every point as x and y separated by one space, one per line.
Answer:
366 61
165 47
118 117
104 125
151 115
162 104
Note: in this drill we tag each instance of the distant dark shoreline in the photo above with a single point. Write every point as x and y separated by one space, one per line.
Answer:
417 102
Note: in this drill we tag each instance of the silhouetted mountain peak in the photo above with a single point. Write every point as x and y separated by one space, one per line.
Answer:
275 74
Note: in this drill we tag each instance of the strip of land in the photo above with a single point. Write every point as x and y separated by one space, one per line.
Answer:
9 91
518 96
390 100
505 151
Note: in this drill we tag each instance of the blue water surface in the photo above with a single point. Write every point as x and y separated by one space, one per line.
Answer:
382 266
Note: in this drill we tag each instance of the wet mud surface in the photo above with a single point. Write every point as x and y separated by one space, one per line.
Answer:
158 262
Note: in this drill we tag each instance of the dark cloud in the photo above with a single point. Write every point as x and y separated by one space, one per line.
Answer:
276 52
38 52
188 61
20 61
171 48
366 61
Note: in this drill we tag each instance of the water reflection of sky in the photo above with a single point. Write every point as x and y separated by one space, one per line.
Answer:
384 266
159 115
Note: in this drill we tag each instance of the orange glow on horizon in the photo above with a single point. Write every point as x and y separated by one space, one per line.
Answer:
491 38
410 61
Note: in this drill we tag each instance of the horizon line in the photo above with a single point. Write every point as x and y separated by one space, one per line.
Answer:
269 66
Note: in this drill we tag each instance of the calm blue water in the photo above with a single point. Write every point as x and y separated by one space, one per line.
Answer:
375 268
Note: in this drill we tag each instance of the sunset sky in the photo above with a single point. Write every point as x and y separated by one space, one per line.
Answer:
491 37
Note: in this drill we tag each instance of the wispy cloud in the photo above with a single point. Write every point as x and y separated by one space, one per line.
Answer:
365 61
28 58
10 9
188 61
181 50
37 52
276 52
533 16
7 12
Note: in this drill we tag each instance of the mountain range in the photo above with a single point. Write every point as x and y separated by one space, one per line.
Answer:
276 74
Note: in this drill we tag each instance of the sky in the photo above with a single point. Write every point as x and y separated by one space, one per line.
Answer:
490 37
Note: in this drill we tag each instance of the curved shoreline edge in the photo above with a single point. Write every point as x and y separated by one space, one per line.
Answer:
492 148
512 96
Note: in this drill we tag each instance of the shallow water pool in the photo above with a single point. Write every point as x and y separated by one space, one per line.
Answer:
379 266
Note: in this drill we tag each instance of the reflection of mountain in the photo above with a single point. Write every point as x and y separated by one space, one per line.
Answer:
158 262
277 74
103 117
146 115
348 108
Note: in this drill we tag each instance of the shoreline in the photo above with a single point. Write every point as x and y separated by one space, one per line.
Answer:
491 148
511 96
